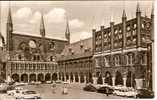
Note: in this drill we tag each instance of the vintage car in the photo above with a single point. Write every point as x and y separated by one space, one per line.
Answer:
28 95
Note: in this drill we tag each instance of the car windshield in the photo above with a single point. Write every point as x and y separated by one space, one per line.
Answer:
29 92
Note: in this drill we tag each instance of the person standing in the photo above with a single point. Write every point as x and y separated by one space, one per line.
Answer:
53 87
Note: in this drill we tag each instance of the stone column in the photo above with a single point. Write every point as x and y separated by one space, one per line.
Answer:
79 79
139 83
124 81
103 80
74 79
58 76
113 81
85 80
95 80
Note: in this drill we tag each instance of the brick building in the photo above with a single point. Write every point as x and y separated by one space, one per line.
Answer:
32 57
121 51
76 62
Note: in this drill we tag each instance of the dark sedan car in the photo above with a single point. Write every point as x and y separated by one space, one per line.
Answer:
105 90
90 88
144 93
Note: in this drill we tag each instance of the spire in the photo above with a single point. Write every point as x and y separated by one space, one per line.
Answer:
152 12
67 31
124 14
138 7
9 20
42 26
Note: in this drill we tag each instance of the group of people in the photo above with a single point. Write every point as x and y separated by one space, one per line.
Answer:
54 86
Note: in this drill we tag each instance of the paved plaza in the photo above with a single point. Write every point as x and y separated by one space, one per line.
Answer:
75 91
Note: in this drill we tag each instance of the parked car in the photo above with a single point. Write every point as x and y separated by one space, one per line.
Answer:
90 88
13 91
20 84
3 87
124 91
144 93
104 89
48 82
28 95
59 82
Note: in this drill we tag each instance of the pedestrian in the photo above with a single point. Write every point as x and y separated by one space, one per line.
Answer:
53 87
107 91
65 89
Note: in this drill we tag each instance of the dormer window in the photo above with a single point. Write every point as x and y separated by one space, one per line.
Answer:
70 49
19 57
81 45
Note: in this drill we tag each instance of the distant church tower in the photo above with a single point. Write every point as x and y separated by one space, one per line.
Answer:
9 30
67 32
42 33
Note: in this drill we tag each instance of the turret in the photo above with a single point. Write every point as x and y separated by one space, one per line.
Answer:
138 16
152 21
124 19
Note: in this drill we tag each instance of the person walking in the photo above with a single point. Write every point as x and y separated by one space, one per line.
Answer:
53 87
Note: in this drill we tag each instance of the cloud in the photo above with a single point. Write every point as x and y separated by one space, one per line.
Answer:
56 15
85 35
24 12
76 23
36 17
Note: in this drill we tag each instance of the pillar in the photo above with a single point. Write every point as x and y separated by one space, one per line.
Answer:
85 79
58 76
139 83
103 80
124 81
74 79
113 81
79 79
95 80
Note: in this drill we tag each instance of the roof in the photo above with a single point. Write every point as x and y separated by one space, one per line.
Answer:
79 49
38 35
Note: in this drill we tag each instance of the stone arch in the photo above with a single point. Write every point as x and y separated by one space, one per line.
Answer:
32 77
82 77
48 77
16 77
99 76
24 78
23 46
54 76
76 77
41 77
108 78
119 78
130 82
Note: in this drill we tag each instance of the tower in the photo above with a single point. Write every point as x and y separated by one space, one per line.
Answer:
67 32
42 33
9 30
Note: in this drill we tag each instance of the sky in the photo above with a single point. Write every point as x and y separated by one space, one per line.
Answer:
83 16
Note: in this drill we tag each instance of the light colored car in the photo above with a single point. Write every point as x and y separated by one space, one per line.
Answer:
48 82
28 95
12 92
20 84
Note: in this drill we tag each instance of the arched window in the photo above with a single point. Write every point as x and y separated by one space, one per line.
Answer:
117 60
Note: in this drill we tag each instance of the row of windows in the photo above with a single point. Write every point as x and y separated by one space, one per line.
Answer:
32 66
129 59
